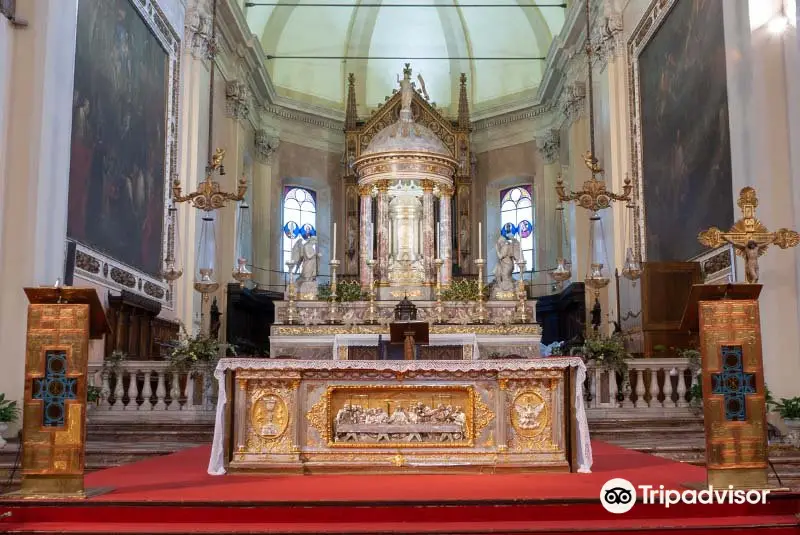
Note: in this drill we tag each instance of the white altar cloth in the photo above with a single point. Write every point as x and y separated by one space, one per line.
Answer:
348 340
216 465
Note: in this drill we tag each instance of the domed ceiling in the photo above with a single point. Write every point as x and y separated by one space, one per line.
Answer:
440 38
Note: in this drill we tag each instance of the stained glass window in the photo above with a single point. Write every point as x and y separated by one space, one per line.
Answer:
300 207
516 207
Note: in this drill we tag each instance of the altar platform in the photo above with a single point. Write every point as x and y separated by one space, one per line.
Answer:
174 494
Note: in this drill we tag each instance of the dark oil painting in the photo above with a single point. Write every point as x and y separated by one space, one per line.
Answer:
117 166
686 155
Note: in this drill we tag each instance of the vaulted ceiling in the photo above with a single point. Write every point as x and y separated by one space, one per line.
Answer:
440 38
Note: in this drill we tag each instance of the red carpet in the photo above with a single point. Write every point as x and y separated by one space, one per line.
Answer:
173 494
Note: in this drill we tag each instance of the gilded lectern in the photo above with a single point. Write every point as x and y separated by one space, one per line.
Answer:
734 401
60 323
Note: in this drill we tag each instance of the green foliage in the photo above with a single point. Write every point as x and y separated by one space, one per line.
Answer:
194 353
463 290
113 363
9 412
93 394
789 408
607 352
347 291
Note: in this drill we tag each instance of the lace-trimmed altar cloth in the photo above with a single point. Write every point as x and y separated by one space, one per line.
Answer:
348 340
216 465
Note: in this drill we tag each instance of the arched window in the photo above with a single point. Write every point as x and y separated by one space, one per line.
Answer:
516 206
299 207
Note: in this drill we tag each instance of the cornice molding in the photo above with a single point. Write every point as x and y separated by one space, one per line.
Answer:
525 114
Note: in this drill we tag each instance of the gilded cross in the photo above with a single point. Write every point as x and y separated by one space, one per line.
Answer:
733 384
749 237
54 389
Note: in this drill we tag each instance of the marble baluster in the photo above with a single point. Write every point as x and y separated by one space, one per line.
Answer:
365 237
446 233
383 231
428 224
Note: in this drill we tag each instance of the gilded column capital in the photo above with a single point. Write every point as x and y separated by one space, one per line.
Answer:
365 190
383 186
427 186
446 191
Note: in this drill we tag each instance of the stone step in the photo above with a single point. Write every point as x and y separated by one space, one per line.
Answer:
190 433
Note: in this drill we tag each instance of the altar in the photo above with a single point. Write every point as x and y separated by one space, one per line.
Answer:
300 416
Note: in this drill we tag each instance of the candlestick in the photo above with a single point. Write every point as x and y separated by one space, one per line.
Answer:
480 239
439 309
291 310
522 294
438 240
333 307
333 251
481 311
370 318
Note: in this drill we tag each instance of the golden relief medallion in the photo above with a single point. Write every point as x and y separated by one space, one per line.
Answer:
269 416
529 414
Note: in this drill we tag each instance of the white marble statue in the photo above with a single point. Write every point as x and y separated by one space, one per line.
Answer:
306 259
406 89
508 253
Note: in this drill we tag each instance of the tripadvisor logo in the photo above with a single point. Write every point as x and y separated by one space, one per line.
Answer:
619 496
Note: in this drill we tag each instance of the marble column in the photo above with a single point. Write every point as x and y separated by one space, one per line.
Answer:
428 231
446 233
365 235
383 231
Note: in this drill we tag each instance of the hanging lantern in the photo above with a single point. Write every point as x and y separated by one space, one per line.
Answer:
240 272
562 272
204 278
172 270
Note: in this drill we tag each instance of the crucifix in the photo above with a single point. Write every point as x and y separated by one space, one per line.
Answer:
749 237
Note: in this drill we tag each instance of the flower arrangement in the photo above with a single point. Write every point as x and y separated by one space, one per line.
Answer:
347 290
463 290
93 394
194 353
607 352
9 411
113 363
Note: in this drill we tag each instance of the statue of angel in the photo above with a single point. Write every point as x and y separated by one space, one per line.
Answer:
422 87
306 259
508 252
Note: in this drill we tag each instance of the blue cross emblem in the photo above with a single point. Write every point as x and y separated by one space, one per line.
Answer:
55 389
733 384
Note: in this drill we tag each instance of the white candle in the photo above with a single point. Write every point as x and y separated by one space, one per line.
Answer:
438 240
480 238
333 253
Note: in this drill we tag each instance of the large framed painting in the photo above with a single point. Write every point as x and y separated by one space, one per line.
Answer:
680 128
123 143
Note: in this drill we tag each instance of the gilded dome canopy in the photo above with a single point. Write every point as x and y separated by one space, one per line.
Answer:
406 136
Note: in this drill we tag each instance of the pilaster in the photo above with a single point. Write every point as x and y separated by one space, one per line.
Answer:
761 70
34 181
263 206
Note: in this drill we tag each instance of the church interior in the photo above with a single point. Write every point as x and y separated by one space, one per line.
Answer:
449 266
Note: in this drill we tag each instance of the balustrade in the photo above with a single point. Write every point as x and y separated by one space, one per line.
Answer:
150 391
656 386
145 391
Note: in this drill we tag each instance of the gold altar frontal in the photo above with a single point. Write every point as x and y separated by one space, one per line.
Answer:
296 416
